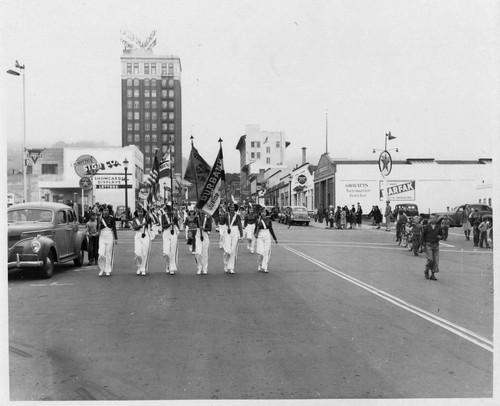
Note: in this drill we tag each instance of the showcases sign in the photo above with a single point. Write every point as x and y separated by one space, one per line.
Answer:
110 182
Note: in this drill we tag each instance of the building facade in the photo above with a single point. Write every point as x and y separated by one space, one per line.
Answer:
151 105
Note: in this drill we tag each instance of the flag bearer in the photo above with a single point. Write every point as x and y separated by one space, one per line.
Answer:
171 230
231 238
202 246
264 231
141 241
108 238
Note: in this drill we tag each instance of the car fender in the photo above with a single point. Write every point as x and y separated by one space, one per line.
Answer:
46 245
80 241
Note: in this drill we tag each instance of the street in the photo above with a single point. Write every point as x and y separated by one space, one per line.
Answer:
342 314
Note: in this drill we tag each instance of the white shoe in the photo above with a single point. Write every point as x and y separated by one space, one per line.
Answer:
143 273
259 268
226 270
265 270
172 272
108 274
101 273
231 271
205 271
199 272
167 270
138 272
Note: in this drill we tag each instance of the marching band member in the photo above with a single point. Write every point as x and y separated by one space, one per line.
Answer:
202 246
263 232
108 238
171 230
141 241
249 226
221 227
234 232
191 228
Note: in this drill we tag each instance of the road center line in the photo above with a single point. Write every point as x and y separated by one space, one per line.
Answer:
454 328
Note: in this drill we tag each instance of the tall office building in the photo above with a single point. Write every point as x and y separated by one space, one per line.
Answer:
151 100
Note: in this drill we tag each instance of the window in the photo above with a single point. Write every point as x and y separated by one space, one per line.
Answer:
164 138
129 92
146 138
136 115
137 126
268 150
129 104
146 82
268 160
154 104
146 92
136 82
29 170
277 144
171 94
147 148
154 127
130 127
136 68
136 92
164 116
171 127
257 144
171 115
171 105
61 217
147 126
252 155
164 94
136 104
171 83
129 82
153 93
258 155
154 115
164 83
164 126
171 138
164 104
146 68
137 138
163 68
147 160
49 169
147 115
129 138
147 104
154 138
170 69
164 149
129 68
129 115
153 68
153 82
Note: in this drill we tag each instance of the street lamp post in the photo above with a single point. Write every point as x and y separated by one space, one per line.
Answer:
125 166
16 73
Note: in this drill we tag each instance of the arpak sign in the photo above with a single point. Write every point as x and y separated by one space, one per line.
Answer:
402 190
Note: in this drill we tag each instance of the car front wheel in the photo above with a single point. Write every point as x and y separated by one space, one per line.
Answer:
47 270
78 261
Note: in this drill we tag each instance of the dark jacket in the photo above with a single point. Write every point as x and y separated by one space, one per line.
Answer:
432 235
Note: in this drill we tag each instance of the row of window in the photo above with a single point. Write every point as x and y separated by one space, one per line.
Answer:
136 104
152 82
256 144
149 68
151 93
150 127
150 115
153 138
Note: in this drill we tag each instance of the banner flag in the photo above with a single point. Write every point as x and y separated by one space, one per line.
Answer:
211 195
201 168
165 166
152 181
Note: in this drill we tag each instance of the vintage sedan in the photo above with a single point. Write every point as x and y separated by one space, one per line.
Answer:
455 214
299 215
42 234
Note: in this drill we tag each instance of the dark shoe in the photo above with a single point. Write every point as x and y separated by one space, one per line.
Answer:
426 273
433 278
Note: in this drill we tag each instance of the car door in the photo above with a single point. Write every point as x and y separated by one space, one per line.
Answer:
72 231
61 233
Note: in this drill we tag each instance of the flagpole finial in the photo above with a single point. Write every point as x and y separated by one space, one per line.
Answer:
220 139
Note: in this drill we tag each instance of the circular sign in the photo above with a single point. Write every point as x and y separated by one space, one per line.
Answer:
85 183
86 165
302 179
385 163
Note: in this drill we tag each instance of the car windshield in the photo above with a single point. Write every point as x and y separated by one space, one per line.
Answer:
299 209
29 215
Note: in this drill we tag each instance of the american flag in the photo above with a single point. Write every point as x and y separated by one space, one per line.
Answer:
152 180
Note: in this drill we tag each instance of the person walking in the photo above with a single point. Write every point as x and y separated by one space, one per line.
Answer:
140 224
466 224
202 246
249 226
431 235
377 217
359 214
388 213
170 235
416 232
231 238
92 232
445 225
263 232
108 238
483 234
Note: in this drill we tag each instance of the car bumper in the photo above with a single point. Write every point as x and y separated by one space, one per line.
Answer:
25 261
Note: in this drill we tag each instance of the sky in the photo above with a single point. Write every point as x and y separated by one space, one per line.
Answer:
428 71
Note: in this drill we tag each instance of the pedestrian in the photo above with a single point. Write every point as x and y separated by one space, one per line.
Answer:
378 217
249 227
402 220
343 218
445 226
483 234
416 232
92 232
191 228
371 215
431 235
466 224
337 217
321 213
288 216
108 238
388 213
263 232
170 234
231 238
202 246
352 215
142 245
475 220
359 214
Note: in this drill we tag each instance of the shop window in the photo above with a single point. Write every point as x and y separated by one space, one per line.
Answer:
49 169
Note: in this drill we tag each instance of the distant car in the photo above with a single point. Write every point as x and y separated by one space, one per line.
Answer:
455 214
42 234
299 215
409 209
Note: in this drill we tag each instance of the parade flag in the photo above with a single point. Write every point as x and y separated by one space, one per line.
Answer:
164 170
211 194
197 170
152 181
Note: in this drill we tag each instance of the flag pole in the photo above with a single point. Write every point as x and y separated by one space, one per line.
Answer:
225 183
194 169
171 176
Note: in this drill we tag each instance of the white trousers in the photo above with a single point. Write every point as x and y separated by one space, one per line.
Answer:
250 236
170 248
202 251
141 249
230 246
106 247
264 247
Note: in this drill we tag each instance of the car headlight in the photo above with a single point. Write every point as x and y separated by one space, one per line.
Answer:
35 246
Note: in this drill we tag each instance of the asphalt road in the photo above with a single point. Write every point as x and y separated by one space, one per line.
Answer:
341 315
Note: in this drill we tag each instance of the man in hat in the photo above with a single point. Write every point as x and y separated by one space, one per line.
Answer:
234 232
387 213
170 231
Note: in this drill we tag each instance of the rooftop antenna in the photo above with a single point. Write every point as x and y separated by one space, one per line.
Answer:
327 131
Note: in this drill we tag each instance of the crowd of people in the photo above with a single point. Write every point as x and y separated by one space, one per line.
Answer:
252 224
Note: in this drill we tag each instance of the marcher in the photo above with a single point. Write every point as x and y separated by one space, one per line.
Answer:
431 235
483 234
141 241
263 232
170 235
108 238
359 214
191 230
234 232
416 234
466 224
445 226
202 246
388 214
249 226
92 232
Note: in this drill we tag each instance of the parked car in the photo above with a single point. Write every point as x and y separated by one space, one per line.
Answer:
299 215
42 234
409 209
455 214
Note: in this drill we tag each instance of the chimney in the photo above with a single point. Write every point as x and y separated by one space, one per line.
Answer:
304 155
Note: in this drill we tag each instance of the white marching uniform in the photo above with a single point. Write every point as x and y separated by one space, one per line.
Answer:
170 246
142 246
230 244
106 246
264 237
202 248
